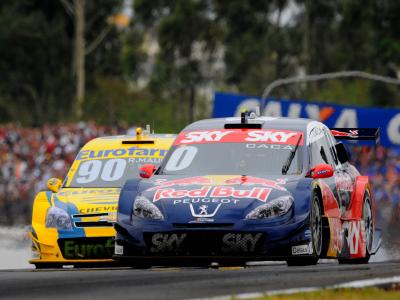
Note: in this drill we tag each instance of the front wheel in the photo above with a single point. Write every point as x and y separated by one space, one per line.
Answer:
369 233
316 236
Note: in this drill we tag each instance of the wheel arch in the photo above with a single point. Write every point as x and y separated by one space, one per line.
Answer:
127 195
41 204
317 189
361 185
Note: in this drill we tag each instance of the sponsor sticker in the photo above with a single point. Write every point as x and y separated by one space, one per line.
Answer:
355 237
240 242
202 220
351 133
259 193
269 146
205 200
204 244
119 250
344 182
203 211
210 181
91 193
121 152
87 248
302 249
199 180
164 242
100 209
285 137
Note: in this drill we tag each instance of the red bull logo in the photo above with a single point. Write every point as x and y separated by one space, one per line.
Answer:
204 181
259 193
249 180
199 180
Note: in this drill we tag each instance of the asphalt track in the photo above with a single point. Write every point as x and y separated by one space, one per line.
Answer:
179 283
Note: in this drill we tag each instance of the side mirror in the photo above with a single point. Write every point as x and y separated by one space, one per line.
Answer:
54 184
321 171
146 171
341 151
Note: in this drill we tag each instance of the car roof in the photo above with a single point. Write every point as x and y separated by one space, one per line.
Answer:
267 123
163 141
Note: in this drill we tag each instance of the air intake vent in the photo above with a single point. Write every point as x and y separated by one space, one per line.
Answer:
203 225
137 142
94 224
89 215
243 126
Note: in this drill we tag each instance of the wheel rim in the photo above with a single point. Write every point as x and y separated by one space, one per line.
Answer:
316 225
368 223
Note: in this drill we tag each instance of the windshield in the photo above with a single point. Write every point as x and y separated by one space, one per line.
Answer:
111 172
231 158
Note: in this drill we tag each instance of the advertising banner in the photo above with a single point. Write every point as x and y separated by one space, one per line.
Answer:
332 115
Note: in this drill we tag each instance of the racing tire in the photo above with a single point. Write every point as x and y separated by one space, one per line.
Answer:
316 236
369 233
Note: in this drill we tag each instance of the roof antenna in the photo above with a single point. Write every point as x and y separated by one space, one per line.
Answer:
255 114
138 132
243 117
147 131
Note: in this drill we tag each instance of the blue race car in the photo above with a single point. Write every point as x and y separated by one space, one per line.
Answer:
251 188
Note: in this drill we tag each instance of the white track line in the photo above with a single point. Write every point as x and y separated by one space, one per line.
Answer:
367 282
352 284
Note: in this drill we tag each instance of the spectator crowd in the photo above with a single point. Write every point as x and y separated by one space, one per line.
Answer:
382 165
30 156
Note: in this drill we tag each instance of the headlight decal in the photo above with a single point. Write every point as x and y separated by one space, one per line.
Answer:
274 208
71 209
58 218
144 208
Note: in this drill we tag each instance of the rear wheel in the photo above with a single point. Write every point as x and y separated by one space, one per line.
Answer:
316 236
369 233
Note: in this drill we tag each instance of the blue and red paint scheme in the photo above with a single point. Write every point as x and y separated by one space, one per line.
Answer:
204 218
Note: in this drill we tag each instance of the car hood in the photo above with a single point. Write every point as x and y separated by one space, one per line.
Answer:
213 198
88 201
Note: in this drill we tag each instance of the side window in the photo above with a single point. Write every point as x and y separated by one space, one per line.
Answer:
331 143
320 152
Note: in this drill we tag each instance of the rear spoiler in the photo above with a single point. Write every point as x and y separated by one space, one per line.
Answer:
357 134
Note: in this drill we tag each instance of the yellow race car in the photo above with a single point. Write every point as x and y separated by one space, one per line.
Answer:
72 224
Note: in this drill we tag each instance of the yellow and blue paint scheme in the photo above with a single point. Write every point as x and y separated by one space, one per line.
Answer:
84 233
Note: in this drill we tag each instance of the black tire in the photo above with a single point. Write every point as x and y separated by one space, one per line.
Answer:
369 233
316 236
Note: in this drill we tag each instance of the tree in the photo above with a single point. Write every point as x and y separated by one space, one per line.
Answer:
188 39
77 10
34 51
259 46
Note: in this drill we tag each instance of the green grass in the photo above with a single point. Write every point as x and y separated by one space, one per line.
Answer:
342 294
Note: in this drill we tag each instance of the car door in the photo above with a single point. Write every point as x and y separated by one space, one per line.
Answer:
321 152
344 175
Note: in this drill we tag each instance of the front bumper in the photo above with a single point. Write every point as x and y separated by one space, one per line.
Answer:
49 247
162 243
